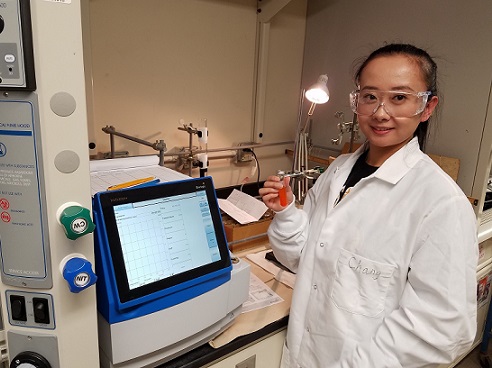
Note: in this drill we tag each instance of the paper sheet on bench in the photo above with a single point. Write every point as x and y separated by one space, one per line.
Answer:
260 295
242 207
105 173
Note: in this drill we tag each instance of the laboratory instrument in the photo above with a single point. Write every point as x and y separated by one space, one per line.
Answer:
163 265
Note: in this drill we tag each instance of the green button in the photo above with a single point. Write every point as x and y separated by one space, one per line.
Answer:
76 221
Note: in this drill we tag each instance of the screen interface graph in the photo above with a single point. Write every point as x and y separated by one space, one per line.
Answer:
164 237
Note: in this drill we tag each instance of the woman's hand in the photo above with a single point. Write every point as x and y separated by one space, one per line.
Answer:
270 193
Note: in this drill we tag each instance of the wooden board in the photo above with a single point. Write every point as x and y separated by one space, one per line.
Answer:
450 165
235 231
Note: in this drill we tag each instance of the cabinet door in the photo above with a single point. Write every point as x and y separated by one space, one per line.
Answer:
265 353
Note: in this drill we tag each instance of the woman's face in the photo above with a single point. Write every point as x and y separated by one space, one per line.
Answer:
392 73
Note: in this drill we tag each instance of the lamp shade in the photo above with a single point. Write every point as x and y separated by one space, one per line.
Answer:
318 93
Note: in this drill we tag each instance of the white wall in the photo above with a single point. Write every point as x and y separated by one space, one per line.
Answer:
456 33
155 62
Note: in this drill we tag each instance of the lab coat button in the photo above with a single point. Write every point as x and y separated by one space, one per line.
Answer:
315 287
321 245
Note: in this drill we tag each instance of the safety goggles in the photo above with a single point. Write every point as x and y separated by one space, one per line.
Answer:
397 104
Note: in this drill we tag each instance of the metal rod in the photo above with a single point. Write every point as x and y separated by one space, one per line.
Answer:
161 152
111 142
219 157
190 158
352 133
298 131
233 148
112 131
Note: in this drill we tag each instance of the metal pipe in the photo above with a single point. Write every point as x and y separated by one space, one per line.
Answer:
158 145
353 133
111 142
298 130
220 157
232 155
190 158
112 131
233 148
162 149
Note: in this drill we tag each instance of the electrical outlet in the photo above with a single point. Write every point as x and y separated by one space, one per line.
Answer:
242 155
248 363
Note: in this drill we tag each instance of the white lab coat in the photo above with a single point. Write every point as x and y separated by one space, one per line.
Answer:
387 278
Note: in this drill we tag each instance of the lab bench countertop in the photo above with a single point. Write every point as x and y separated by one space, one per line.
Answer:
206 355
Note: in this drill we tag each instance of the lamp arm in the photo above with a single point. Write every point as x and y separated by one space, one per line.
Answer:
311 109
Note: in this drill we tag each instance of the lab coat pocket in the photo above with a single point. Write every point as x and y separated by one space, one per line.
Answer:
361 284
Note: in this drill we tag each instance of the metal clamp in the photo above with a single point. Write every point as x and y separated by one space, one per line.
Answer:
346 127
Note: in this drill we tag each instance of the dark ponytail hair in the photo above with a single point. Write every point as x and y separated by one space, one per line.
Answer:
427 66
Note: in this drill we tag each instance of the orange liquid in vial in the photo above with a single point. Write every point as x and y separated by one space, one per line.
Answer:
282 194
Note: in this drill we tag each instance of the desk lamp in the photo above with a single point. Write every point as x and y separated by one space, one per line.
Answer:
317 94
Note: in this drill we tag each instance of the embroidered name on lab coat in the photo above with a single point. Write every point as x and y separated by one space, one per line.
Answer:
357 266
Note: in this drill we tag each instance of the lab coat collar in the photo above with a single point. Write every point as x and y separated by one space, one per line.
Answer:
395 167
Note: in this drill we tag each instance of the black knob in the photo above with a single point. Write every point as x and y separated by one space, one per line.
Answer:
2 24
30 357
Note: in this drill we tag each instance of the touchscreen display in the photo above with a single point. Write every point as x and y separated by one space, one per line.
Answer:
165 236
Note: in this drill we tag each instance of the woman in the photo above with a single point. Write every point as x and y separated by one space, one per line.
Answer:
385 247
